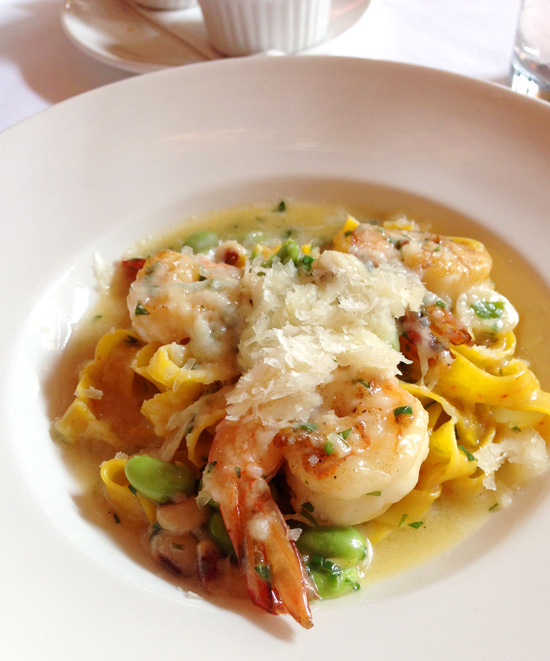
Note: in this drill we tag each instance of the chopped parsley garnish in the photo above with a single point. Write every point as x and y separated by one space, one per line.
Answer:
364 383
263 572
306 511
493 507
305 262
441 304
280 207
402 410
237 471
324 564
151 269
155 529
308 426
402 520
329 448
374 493
416 524
210 466
116 518
469 455
344 434
488 309
131 339
140 310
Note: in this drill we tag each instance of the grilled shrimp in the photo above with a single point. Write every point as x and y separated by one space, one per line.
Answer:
188 299
242 460
447 266
358 454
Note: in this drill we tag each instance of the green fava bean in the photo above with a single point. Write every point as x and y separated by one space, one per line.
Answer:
289 250
202 242
334 582
218 533
158 480
346 543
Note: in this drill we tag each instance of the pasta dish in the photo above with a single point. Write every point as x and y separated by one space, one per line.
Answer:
272 405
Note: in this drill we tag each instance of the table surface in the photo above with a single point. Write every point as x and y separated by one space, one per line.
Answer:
40 67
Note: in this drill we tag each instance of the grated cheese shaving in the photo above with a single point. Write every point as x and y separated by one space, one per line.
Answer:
525 448
297 332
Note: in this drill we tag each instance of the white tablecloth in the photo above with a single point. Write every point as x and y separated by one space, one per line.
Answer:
39 67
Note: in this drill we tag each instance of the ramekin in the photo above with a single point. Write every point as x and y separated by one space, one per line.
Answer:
166 4
244 27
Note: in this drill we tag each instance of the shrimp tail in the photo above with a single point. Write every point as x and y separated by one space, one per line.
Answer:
276 577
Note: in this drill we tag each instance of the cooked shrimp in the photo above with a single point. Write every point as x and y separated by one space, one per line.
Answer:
360 453
425 339
242 460
189 299
448 266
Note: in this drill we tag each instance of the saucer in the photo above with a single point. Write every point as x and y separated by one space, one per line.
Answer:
132 38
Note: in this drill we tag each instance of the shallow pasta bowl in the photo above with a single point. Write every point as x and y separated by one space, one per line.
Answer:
95 174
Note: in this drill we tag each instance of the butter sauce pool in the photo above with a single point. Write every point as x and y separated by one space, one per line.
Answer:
453 517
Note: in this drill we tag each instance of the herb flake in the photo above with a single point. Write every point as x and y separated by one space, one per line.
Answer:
280 207
308 426
488 309
402 410
468 454
140 310
264 572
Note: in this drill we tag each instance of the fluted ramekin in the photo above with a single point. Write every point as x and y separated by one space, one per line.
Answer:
244 27
166 4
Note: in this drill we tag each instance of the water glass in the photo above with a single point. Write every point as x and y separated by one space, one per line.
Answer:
530 71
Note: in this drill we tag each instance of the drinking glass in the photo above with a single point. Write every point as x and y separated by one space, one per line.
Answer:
530 71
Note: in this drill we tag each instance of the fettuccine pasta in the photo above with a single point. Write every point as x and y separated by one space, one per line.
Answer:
278 406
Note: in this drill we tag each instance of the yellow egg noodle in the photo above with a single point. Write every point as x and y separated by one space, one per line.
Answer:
283 407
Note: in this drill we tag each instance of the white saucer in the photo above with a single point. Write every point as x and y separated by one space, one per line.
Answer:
138 40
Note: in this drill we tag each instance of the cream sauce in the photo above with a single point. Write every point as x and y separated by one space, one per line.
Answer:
452 518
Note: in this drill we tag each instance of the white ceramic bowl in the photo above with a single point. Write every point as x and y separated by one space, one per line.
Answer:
98 172
243 27
166 4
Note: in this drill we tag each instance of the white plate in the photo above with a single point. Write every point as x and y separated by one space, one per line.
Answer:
139 40
97 172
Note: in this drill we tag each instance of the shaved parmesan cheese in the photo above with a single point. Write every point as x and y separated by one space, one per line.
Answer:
298 330
90 393
526 448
